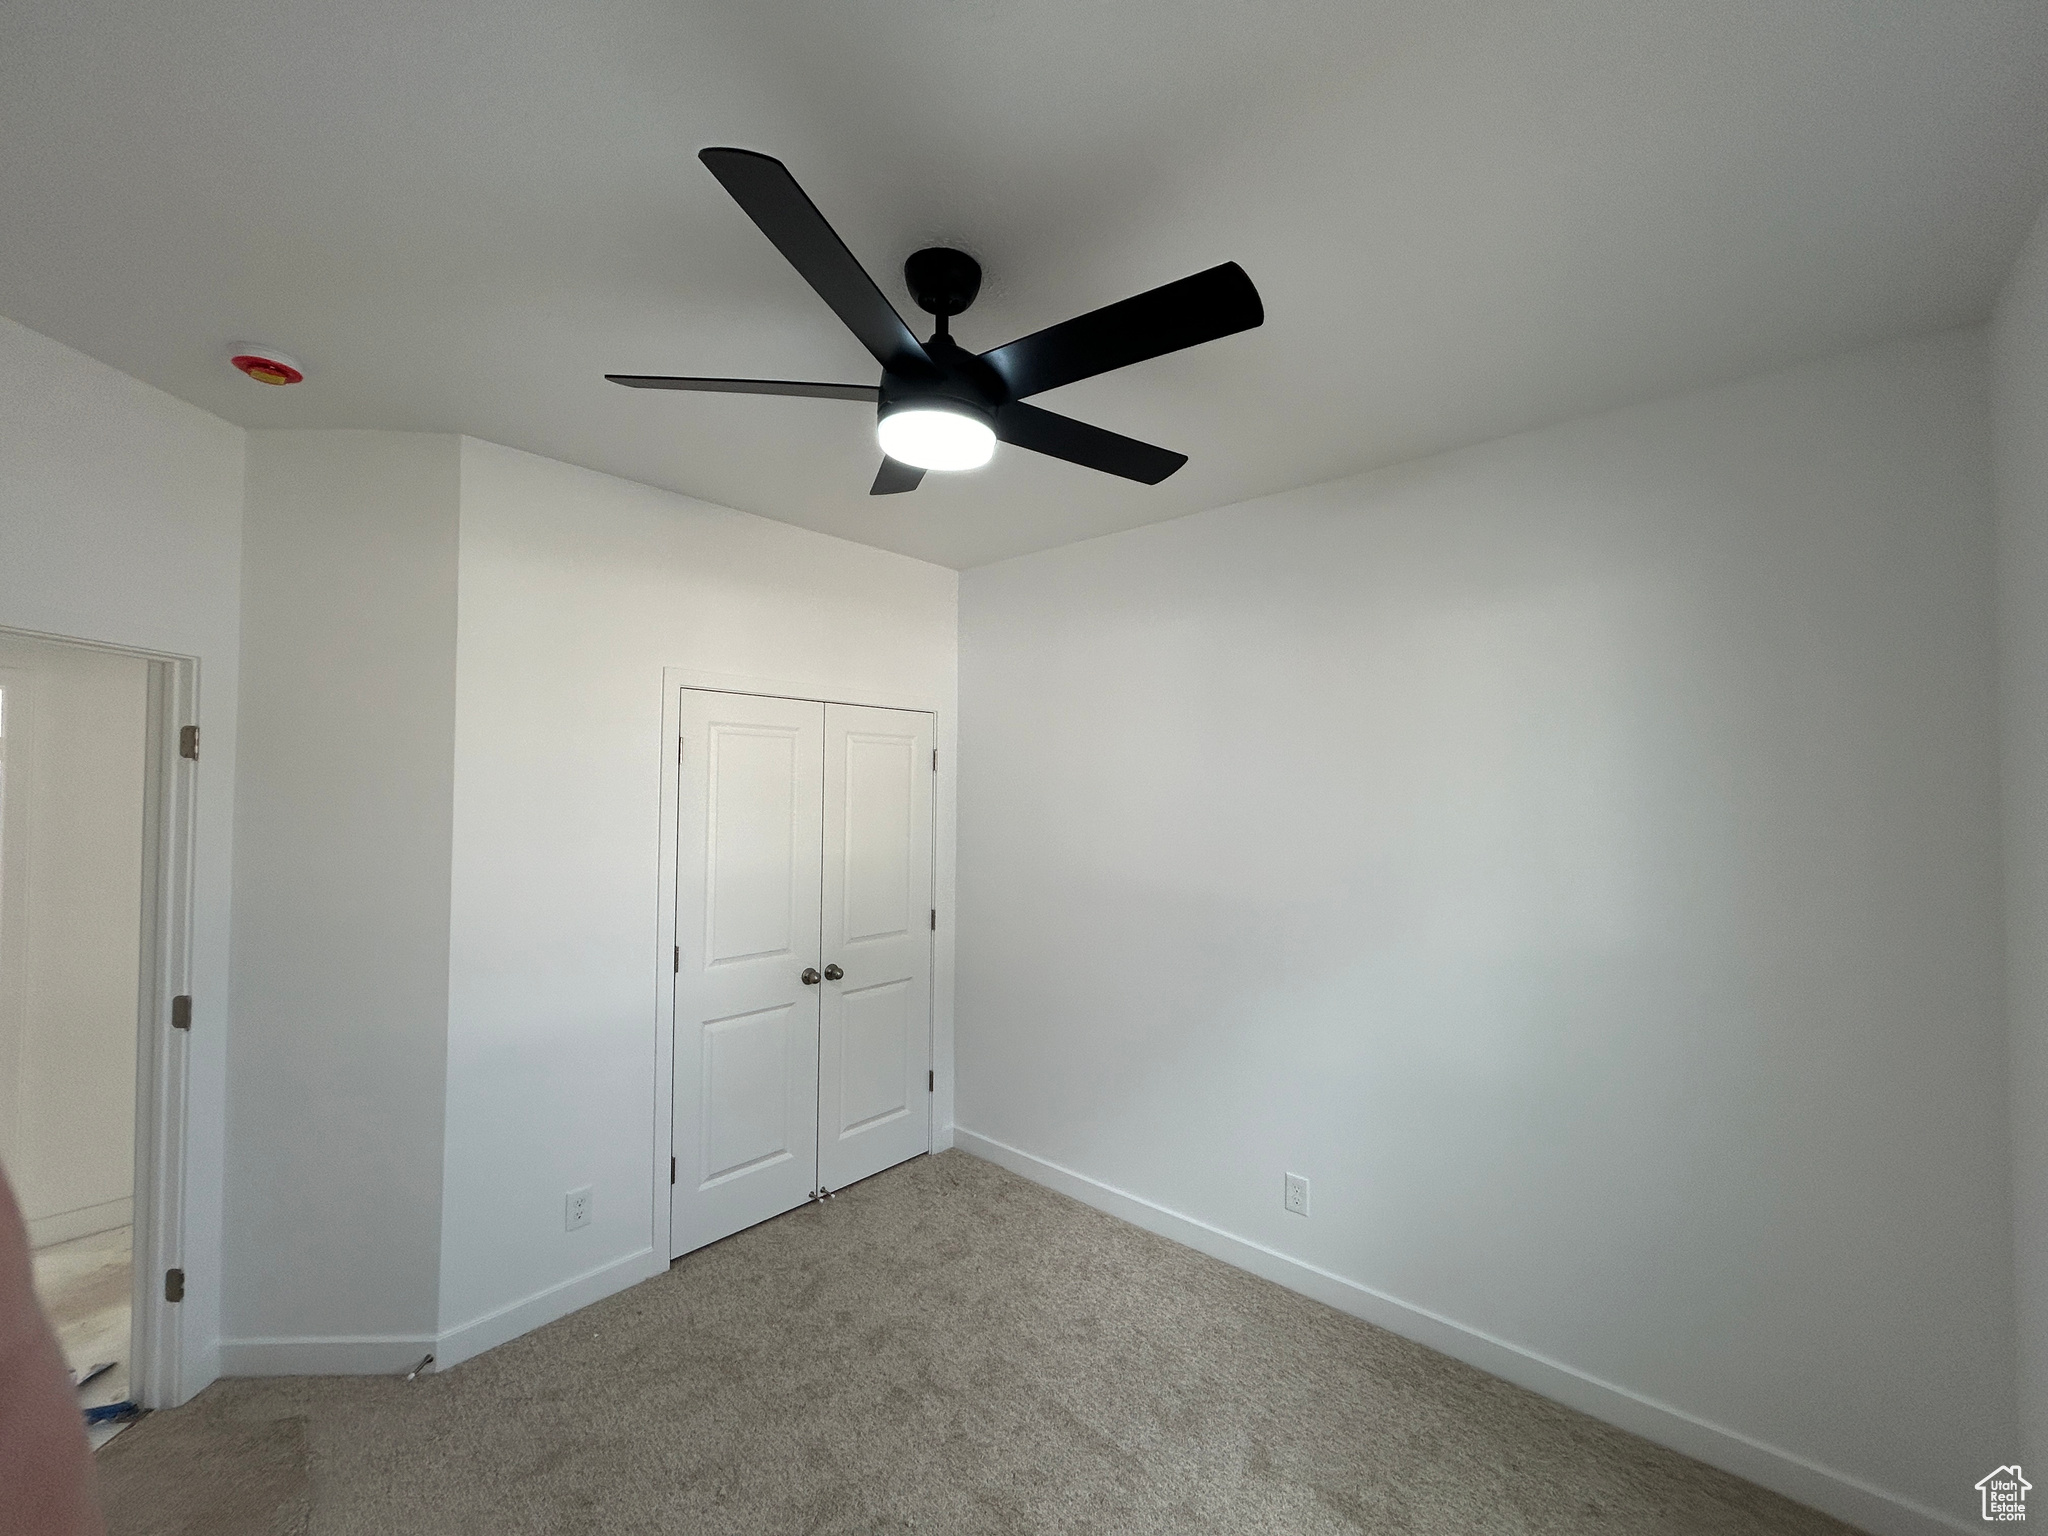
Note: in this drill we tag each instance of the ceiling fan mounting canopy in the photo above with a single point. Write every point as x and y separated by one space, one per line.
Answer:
938 405
942 280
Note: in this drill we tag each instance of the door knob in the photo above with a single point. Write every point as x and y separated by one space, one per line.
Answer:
833 973
810 976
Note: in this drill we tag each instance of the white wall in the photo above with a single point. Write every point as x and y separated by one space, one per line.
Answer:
2020 392
1578 855
71 932
120 522
576 591
341 901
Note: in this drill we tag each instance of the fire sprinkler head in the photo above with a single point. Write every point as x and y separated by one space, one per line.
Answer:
266 366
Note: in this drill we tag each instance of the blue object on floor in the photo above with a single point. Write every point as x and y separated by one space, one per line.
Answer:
112 1413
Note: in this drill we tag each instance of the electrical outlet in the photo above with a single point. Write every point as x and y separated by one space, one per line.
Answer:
1297 1194
576 1209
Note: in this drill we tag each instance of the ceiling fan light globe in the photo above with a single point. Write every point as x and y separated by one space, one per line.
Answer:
928 438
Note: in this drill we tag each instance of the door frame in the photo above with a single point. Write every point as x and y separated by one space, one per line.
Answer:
673 681
162 1053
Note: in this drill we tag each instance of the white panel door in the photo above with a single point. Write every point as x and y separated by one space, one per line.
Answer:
744 1131
874 1048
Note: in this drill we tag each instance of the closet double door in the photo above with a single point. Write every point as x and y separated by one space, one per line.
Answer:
803 954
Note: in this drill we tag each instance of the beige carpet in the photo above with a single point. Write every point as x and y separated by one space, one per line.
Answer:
945 1348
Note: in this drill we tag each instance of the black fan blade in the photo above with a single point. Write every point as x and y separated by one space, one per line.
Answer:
763 187
867 392
895 477
1062 437
1218 302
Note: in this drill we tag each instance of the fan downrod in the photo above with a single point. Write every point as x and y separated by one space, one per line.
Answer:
942 280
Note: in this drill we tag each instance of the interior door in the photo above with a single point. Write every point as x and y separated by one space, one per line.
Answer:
744 1132
875 1030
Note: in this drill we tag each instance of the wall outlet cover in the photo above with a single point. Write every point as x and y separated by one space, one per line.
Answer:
576 1209
1296 1196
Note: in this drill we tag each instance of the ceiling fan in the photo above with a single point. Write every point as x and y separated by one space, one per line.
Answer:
941 406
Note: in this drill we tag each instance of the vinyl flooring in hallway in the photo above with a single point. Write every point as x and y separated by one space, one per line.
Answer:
85 1286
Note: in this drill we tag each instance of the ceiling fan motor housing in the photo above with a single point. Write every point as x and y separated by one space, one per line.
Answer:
960 381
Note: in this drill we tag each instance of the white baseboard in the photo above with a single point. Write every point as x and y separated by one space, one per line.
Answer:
1836 1493
360 1355
392 1354
63 1226
508 1322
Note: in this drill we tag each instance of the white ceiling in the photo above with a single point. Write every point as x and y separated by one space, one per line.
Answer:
1465 219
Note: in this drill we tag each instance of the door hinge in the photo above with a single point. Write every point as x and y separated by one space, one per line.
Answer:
188 742
935 759
679 748
679 959
935 919
181 1012
174 1285
671 1170
931 1081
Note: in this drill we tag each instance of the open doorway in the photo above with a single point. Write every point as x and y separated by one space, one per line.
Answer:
80 949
